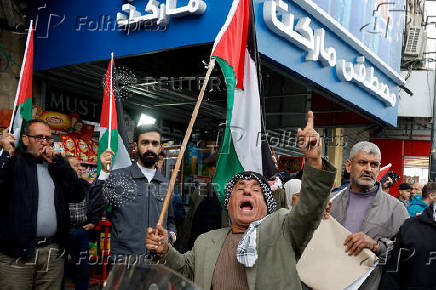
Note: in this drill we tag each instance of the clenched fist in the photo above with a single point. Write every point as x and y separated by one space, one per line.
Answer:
8 142
157 243
106 160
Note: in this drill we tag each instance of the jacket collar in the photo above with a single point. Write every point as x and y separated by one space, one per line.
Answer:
137 173
377 196
344 197
28 157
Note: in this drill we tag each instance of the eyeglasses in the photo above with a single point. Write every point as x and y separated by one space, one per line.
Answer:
146 142
40 138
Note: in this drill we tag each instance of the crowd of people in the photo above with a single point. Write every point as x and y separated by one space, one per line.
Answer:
253 240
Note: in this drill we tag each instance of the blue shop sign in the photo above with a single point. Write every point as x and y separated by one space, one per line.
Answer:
73 32
295 34
302 37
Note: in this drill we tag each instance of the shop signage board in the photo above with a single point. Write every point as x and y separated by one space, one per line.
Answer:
158 12
378 24
297 35
301 36
72 32
65 102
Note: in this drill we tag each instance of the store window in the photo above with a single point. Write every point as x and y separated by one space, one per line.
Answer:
416 169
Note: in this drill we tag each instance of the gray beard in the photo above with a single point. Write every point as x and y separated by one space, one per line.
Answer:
364 186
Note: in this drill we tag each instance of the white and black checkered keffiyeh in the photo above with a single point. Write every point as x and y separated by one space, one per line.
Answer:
271 204
246 252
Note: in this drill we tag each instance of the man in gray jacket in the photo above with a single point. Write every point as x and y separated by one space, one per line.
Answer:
370 214
137 194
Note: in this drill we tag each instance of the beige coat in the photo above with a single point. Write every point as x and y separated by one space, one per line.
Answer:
281 239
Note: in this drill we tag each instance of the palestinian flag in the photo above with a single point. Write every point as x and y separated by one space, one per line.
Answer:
383 171
242 147
23 97
111 122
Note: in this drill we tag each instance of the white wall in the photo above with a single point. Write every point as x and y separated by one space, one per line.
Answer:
421 83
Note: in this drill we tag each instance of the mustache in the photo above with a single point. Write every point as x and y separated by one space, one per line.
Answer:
149 154
367 175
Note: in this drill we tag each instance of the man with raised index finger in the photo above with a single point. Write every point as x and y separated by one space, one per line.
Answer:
262 246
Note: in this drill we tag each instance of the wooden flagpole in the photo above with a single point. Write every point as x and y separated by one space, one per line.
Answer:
184 143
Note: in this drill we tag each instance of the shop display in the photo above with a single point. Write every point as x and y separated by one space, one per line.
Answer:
69 145
59 147
58 122
93 151
82 148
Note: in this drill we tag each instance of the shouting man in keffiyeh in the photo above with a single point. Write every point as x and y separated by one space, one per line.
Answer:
261 248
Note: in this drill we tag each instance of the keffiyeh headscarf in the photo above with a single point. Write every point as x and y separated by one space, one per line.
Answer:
246 252
271 204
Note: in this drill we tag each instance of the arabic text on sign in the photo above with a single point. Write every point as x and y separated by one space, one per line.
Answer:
159 12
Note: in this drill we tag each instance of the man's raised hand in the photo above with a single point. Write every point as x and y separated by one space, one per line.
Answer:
48 153
309 143
157 243
8 142
106 160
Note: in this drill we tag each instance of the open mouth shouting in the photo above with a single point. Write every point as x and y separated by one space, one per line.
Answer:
246 206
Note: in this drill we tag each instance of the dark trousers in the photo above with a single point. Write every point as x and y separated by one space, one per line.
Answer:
78 248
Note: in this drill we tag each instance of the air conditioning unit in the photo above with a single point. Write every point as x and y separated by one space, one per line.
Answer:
416 41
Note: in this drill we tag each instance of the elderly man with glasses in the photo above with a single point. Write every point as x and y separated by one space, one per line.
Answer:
36 186
370 214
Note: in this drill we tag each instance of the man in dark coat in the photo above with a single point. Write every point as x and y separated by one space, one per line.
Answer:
36 186
413 261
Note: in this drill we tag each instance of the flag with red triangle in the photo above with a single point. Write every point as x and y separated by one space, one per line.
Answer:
111 122
23 98
243 147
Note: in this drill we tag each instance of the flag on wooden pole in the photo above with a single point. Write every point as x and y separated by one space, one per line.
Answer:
111 125
22 110
243 147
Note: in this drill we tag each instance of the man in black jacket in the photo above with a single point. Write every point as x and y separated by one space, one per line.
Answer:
413 261
36 186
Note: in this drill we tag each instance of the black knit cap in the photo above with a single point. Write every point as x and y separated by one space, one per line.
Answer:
404 186
247 175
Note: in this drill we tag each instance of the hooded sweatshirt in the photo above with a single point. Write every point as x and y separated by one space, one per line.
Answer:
417 206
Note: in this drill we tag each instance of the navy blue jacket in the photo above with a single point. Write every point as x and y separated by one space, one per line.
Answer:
413 261
140 209
19 201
